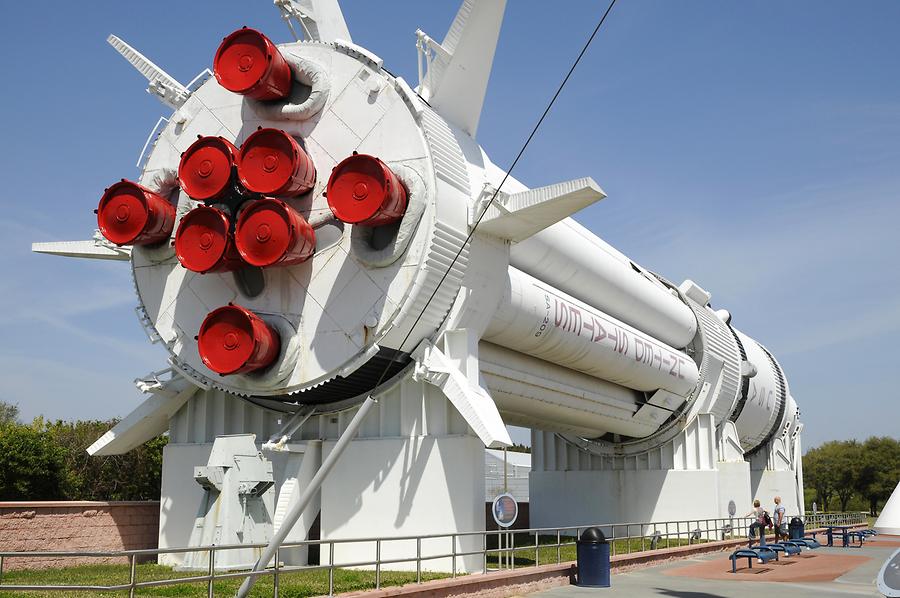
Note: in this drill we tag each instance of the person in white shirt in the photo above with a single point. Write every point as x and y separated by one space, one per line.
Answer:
779 521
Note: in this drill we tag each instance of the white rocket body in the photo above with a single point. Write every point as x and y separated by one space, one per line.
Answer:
493 293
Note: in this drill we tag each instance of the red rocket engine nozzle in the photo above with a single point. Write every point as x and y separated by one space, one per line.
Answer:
271 162
203 242
271 233
248 63
130 214
234 340
204 172
363 190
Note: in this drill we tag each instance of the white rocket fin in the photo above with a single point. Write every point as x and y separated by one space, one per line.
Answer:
160 84
97 248
151 418
520 215
458 69
471 400
321 20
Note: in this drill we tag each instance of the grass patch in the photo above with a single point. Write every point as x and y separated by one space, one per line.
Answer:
525 550
291 585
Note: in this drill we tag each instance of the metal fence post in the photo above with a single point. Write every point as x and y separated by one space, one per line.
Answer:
132 577
484 552
453 539
378 564
275 574
211 572
512 545
331 568
419 560
1 569
558 546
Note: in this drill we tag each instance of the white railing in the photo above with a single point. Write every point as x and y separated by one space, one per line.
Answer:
498 550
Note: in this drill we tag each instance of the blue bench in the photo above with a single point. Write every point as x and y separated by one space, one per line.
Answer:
788 548
869 532
857 535
764 554
811 543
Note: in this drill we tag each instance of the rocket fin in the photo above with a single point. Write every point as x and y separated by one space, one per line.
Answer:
151 418
471 400
97 248
460 66
159 83
321 20
520 215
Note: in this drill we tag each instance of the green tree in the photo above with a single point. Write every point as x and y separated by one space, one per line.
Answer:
844 461
136 475
31 464
818 475
9 413
879 471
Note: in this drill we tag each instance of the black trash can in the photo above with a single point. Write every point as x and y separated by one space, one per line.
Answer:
593 559
795 529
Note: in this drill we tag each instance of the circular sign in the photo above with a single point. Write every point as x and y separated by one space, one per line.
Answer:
732 508
505 510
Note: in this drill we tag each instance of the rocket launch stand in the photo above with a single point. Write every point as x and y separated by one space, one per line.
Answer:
415 468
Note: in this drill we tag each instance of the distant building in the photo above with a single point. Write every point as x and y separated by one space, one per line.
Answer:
518 468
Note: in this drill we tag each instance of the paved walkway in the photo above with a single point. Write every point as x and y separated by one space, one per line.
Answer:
681 579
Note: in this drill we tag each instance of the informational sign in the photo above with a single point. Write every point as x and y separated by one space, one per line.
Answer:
732 508
505 510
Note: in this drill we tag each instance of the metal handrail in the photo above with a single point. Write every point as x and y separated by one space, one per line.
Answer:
690 530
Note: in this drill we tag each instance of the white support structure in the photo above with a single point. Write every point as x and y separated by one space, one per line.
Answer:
415 467
237 506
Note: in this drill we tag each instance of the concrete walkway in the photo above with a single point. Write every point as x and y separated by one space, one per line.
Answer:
681 579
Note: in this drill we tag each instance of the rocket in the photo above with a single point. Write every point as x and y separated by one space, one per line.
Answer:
308 228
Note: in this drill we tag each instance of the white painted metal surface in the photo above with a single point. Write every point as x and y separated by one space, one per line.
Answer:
575 261
889 520
237 507
537 319
764 403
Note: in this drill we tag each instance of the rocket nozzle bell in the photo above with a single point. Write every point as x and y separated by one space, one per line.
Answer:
363 190
271 233
234 340
204 243
204 172
248 63
272 162
130 214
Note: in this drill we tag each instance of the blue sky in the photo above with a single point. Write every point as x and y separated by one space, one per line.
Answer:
753 147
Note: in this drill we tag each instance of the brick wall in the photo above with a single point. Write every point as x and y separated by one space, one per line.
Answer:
75 525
